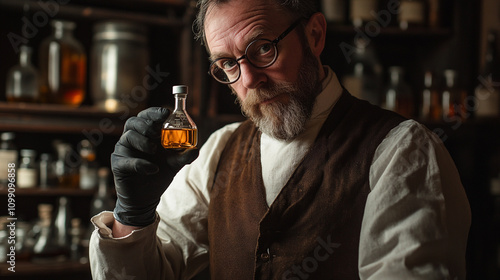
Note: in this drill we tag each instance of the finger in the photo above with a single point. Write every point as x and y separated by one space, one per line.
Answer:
132 140
128 166
145 127
155 114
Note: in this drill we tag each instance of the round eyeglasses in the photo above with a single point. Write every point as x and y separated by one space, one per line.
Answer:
260 53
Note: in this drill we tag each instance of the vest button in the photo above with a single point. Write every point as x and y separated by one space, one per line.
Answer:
265 257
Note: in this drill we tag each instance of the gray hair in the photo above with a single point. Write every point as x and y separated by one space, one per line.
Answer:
296 8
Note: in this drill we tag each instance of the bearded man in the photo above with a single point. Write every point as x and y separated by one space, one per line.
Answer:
316 184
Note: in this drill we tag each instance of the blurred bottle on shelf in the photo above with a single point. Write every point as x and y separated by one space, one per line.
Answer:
22 79
46 248
335 11
63 66
364 74
62 224
398 96
88 167
453 98
27 173
47 174
430 102
8 155
66 165
412 14
76 233
103 200
487 93
362 11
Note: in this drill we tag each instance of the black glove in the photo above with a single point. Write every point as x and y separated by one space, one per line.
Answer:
142 168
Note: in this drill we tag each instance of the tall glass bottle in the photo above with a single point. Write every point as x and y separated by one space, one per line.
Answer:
487 92
398 96
22 79
62 66
88 167
364 74
46 247
179 130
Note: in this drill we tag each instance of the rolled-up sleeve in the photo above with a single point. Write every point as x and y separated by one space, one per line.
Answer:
417 216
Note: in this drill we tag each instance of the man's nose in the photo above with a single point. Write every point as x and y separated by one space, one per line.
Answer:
251 76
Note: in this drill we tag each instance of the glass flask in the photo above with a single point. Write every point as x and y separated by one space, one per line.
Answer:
62 66
398 96
62 223
46 249
22 79
179 130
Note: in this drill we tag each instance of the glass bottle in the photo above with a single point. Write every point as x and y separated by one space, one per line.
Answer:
76 233
62 66
22 79
48 178
62 224
88 167
487 93
364 74
361 11
27 173
453 98
412 14
46 248
66 166
103 200
8 155
398 96
430 103
179 130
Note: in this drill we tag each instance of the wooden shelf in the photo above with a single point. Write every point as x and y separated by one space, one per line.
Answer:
23 117
49 192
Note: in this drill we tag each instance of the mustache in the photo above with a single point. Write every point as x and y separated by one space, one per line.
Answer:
255 96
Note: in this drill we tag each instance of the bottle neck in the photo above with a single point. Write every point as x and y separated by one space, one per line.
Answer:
24 57
180 102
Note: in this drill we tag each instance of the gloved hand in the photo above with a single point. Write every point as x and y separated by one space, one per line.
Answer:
142 168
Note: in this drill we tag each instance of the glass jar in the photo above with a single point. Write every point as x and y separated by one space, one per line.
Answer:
118 62
27 173
63 66
22 79
8 155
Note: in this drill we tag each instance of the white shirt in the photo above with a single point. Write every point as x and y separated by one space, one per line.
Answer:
415 224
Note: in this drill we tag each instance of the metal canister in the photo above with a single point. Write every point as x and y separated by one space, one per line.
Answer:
119 60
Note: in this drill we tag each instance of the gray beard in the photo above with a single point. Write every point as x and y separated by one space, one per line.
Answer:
285 121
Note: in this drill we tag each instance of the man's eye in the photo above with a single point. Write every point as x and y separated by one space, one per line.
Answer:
228 64
264 49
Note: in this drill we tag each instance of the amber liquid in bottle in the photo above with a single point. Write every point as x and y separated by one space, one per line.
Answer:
179 138
179 131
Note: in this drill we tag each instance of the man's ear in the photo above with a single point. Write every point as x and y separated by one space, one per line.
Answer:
316 33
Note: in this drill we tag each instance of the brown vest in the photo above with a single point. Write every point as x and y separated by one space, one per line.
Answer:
312 229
